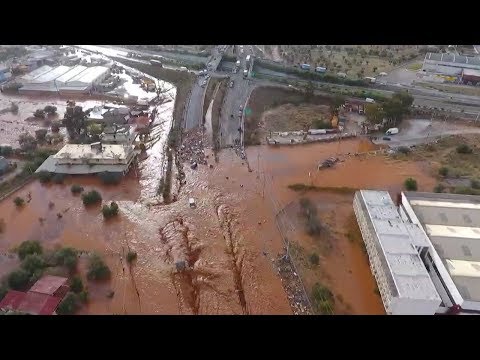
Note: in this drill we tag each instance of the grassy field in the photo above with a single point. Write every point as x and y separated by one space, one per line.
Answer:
354 60
415 66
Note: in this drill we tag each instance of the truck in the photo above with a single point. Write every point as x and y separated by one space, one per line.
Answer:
369 100
320 69
237 64
305 67
245 73
247 59
392 131
370 79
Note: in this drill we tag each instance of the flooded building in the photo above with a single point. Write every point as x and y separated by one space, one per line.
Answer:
452 224
43 297
394 249
91 159
117 135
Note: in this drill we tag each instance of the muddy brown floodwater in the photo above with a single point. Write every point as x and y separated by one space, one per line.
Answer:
227 253
343 263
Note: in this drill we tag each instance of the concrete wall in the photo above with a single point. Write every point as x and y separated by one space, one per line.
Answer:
403 306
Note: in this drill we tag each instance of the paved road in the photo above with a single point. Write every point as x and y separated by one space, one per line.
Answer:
414 132
231 117
194 114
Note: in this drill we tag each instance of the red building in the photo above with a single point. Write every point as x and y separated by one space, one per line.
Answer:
42 299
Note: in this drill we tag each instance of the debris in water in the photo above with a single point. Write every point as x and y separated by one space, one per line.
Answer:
180 265
59 215
110 294
51 204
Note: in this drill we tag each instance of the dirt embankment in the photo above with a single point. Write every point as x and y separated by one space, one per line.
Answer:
268 97
209 92
216 108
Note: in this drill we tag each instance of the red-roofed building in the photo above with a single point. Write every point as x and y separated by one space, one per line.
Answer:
42 299
30 302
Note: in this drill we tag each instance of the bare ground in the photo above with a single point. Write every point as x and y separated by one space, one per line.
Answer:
265 98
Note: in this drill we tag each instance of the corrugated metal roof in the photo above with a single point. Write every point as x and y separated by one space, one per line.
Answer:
90 74
396 244
71 73
52 74
452 222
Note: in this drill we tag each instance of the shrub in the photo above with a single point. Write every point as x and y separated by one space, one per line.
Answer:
110 178
50 109
110 211
76 285
410 184
32 263
76 189
97 269
66 257
83 296
18 279
404 150
39 113
58 178
464 149
44 176
19 201
131 256
475 184
323 299
314 259
443 171
29 247
439 188
92 197
69 304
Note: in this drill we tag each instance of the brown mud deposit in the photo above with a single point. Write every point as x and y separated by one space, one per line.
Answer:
12 125
343 266
220 241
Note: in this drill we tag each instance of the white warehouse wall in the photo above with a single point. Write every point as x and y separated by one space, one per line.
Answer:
403 306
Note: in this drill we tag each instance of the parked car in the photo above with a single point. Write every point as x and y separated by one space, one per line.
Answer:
231 84
386 138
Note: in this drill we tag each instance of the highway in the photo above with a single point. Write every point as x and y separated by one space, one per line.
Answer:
231 116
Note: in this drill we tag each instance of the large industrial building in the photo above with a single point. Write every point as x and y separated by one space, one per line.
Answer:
64 79
393 248
450 64
424 251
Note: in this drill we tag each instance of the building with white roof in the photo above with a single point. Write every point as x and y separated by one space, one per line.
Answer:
449 64
64 78
394 247
91 159
452 225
